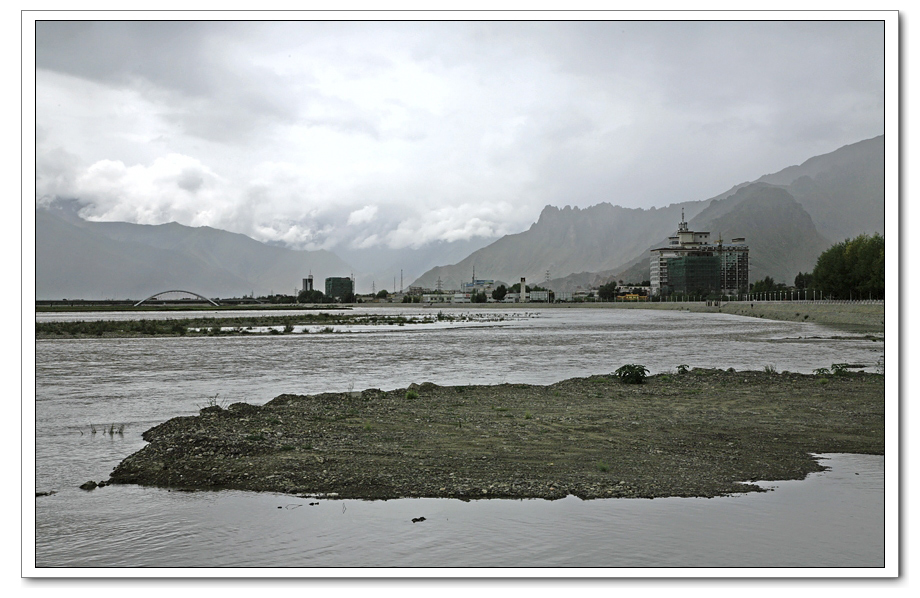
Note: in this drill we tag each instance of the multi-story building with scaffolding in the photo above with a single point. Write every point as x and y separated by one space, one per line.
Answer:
692 263
339 287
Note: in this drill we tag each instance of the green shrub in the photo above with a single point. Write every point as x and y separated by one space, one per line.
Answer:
412 395
632 373
603 466
840 368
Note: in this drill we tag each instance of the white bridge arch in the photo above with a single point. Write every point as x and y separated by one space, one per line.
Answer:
157 295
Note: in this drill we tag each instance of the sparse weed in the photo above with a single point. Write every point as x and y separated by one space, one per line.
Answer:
212 402
683 368
822 372
603 466
769 368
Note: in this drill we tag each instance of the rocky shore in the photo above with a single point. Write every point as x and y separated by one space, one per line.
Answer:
698 433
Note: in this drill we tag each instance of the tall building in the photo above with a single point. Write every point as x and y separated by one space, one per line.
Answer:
693 263
339 287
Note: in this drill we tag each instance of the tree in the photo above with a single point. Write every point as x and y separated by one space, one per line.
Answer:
499 293
382 294
766 285
479 297
803 281
852 268
607 291
313 296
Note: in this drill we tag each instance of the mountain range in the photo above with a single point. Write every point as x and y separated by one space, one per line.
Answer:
788 218
75 258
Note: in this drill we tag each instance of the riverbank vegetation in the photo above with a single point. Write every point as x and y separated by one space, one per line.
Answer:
322 322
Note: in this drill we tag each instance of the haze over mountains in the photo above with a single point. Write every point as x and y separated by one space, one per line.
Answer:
788 218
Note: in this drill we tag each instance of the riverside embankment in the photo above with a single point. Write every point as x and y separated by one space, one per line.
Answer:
704 432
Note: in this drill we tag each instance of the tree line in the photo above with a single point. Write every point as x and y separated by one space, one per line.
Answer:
851 269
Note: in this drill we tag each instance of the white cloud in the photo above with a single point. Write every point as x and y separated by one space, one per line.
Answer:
452 223
172 187
362 216
400 134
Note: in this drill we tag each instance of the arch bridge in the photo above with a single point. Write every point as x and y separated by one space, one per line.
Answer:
160 297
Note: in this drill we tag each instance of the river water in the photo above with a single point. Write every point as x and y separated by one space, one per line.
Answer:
831 519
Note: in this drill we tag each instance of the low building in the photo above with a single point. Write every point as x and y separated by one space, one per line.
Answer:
477 286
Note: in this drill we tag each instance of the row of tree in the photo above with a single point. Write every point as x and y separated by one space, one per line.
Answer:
851 269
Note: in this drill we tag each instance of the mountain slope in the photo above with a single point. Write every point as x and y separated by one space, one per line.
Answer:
804 210
562 241
843 191
80 259
782 237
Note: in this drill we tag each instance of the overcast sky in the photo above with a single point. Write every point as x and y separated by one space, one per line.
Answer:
370 134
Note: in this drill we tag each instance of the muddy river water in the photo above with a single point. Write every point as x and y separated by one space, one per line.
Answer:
121 387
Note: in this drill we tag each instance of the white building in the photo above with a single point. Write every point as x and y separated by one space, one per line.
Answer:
692 262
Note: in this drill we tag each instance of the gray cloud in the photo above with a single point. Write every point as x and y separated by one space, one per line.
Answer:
441 131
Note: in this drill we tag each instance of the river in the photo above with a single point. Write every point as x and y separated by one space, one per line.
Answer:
831 519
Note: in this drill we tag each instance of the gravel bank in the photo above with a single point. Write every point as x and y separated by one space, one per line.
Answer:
701 433
869 317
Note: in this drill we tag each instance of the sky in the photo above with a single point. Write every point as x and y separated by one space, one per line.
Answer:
393 135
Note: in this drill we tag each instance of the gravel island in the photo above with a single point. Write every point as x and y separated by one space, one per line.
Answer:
697 433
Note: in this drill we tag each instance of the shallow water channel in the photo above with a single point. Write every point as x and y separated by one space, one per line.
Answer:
831 519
